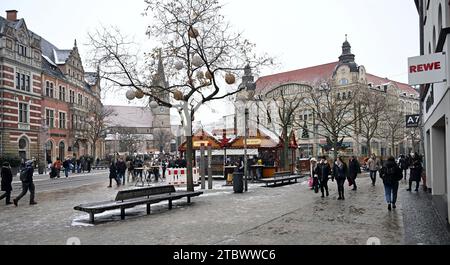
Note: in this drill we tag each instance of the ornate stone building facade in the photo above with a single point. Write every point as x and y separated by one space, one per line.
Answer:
45 96
346 78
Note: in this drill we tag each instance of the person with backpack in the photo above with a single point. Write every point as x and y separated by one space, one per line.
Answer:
340 172
391 174
354 168
7 178
26 176
323 171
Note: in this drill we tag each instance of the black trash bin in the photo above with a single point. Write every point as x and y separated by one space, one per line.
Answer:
238 182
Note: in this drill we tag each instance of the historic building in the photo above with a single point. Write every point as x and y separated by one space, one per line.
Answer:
46 96
345 77
435 29
149 129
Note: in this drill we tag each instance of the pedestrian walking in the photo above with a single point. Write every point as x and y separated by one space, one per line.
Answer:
113 175
26 176
58 165
404 165
374 165
66 166
323 171
415 172
314 175
354 168
89 165
340 172
164 167
391 175
121 169
7 178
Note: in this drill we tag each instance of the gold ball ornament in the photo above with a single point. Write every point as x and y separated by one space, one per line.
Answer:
140 94
208 75
178 95
193 33
230 79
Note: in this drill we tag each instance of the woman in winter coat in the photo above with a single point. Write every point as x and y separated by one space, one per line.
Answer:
6 183
113 175
323 171
415 172
354 168
340 172
391 175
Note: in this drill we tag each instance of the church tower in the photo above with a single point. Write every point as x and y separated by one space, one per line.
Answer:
161 115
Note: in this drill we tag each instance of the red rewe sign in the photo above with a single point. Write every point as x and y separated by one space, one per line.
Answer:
425 67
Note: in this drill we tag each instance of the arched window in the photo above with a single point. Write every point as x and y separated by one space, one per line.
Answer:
23 148
49 151
62 150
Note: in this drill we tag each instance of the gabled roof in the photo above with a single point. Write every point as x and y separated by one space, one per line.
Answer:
382 81
306 75
318 73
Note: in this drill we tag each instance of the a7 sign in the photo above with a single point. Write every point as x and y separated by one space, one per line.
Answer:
412 121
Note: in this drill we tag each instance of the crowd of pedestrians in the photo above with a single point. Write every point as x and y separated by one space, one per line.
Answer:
390 171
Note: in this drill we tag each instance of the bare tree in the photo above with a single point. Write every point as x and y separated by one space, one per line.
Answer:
334 115
287 100
371 106
162 139
199 51
392 126
96 125
129 140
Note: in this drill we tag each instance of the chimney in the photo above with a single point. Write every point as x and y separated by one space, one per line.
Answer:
11 15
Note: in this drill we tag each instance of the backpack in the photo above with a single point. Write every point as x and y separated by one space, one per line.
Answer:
23 175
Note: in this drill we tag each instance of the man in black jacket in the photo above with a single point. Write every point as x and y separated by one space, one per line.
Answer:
26 176
354 168
6 183
323 171
391 175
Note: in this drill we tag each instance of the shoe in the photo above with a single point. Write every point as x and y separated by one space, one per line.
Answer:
339 198
408 190
15 202
343 198
416 190
109 187
354 189
9 203
328 194
33 203
323 196
389 207
394 206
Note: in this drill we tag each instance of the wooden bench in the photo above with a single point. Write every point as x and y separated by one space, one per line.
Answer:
281 177
127 199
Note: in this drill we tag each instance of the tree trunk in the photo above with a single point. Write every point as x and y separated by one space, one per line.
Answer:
189 155
335 151
369 147
286 153
94 151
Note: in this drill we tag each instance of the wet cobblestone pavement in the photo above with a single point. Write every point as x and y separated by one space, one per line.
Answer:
283 215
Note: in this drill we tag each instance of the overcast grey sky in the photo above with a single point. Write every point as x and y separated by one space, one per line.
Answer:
299 33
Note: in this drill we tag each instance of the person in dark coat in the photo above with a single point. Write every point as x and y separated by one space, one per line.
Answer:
354 168
415 172
121 169
89 165
340 172
391 175
323 171
113 175
27 183
404 164
6 183
66 166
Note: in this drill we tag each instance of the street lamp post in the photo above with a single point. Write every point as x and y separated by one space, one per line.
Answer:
245 149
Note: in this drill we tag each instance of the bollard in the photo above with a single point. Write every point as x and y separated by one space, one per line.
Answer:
210 180
202 165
